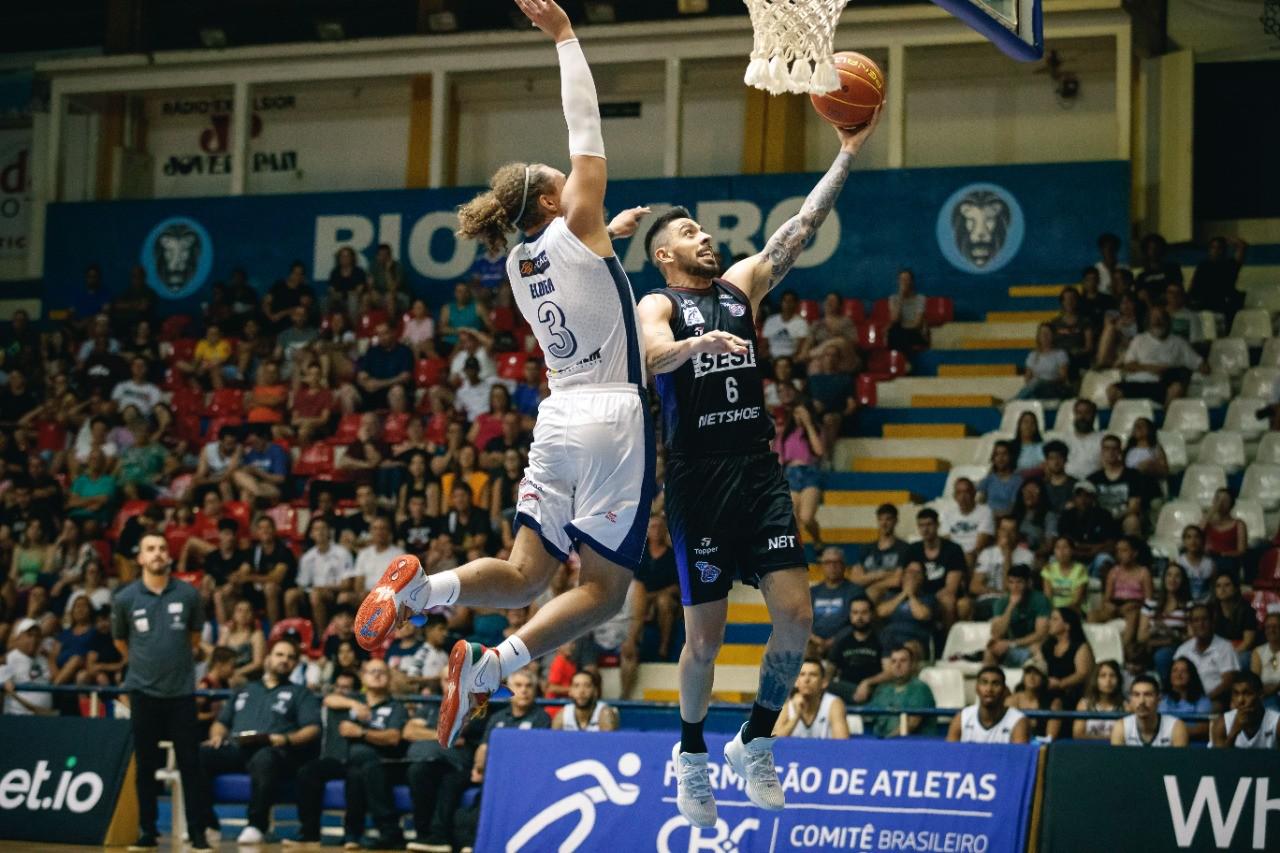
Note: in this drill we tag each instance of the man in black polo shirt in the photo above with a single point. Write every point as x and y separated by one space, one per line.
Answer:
1092 530
857 655
267 730
220 565
944 567
360 732
156 623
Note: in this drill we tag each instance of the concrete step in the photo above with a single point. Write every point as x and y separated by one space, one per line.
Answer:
952 401
969 370
960 335
1033 290
900 392
857 517
925 431
896 464
845 497
950 449
1020 316
979 420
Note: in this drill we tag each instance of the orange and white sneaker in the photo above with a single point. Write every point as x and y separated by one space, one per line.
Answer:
400 593
463 697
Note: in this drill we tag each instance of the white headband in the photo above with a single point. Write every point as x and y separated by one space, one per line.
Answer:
524 198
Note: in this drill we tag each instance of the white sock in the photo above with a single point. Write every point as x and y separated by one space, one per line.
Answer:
513 654
443 589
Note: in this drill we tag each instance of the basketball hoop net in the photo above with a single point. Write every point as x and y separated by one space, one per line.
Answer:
792 51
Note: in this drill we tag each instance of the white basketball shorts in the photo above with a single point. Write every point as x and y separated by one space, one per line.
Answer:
591 473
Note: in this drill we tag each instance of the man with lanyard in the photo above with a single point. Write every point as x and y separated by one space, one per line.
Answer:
156 623
267 730
1146 726
361 731
988 720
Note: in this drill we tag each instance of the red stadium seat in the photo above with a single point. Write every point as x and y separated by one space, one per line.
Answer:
187 401
367 325
1269 571
810 310
880 312
395 427
853 309
872 336
348 427
503 319
314 460
183 349
51 435
296 625
128 511
175 327
511 365
939 310
430 372
866 390
240 511
887 364
215 426
226 403
177 538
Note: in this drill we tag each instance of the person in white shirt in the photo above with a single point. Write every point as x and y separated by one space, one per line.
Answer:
785 330
1249 724
26 664
989 720
1157 365
811 712
994 562
1146 726
136 391
472 396
326 573
967 523
1084 442
585 712
425 667
471 345
376 556
1215 659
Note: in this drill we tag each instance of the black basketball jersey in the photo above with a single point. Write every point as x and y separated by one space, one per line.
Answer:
714 403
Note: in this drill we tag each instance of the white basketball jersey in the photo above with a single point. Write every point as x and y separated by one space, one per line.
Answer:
1164 731
581 308
972 730
1263 738
571 719
821 725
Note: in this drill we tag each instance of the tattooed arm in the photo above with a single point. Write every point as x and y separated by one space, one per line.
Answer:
662 352
759 274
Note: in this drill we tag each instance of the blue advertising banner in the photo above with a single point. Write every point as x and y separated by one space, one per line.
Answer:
563 791
960 229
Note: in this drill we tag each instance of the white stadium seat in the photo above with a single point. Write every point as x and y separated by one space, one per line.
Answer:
1270 353
1252 325
1062 420
1269 449
1189 417
1125 412
1209 325
1175 449
1265 296
855 724
947 684
1094 385
1214 388
1014 409
1224 448
1199 482
973 472
1229 356
1261 382
964 638
1174 518
1106 640
1262 484
1242 416
986 443
1254 518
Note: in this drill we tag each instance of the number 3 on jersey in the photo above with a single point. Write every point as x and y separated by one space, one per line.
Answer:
565 344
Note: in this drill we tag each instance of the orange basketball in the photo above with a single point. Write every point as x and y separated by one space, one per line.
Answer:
861 91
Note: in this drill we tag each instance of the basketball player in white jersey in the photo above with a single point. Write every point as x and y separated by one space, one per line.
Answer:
585 712
590 479
1249 724
1146 726
989 720
812 712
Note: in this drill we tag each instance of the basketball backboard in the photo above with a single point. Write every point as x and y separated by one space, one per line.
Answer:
1015 26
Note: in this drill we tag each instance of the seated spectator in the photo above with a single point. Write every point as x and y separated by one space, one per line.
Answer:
264 468
1072 331
1105 694
346 658
355 528
327 576
832 337
655 590
273 570
585 711
467 528
943 562
786 331
1095 300
25 663
811 712
222 667
1066 581
294 342
999 489
856 654
830 598
73 645
990 719
1032 694
908 330
312 405
418 528
903 691
472 344
1233 617
366 453
362 734
1092 530
1083 442
993 566
1109 261
93 493
1020 623
1027 447
883 557
969 524
1121 490
488 426
1047 371
31 555
1127 586
1157 365
474 390
266 401
512 436
911 614
419 332
211 360
286 295
1037 525
1226 537
137 391
1214 658
1185 695
1198 565
1162 625
1249 724
461 313
1119 327
1183 322
1056 483
1143 452
373 559
219 461
346 280
466 469
244 637
1213 285
268 730
438 776
1146 726
1157 271
1265 662
91 586
388 364
800 449
532 388
1066 656
424 670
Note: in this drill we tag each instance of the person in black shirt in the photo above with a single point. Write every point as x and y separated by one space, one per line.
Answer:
467 527
1094 304
1090 528
857 655
944 568
1156 271
1121 490
272 569
17 399
513 437
418 529
1213 287
355 527
285 295
342 630
879 565
221 565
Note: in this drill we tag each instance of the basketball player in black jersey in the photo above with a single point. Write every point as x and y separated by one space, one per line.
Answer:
728 505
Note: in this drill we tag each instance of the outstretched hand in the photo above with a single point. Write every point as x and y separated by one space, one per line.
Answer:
716 342
852 138
626 222
548 17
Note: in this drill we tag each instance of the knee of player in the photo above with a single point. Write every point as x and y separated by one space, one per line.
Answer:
703 649
795 615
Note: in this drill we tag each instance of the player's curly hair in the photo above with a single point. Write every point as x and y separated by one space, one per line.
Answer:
495 213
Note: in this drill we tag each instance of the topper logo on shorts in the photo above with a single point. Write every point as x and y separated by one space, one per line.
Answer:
707 548
536 265
707 573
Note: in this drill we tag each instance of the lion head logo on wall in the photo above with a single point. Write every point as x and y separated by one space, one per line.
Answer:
178 256
980 228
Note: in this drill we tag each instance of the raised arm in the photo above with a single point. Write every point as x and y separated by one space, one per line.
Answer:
759 274
663 353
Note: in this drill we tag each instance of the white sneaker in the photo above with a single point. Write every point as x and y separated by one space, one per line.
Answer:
251 835
693 787
424 847
754 762
212 837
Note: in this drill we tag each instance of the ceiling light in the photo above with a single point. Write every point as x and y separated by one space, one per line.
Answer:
600 13
329 29
442 22
213 38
